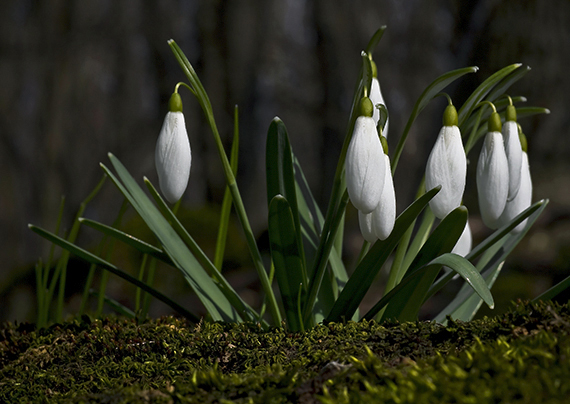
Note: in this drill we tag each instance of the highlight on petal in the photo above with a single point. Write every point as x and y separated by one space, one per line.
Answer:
365 166
384 216
513 151
465 242
173 157
446 166
522 200
377 98
492 179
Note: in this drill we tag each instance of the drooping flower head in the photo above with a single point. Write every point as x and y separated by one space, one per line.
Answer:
513 150
365 165
447 166
465 242
492 174
173 156
523 198
379 223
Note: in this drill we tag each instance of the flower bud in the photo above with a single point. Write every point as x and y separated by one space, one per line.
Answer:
173 156
492 179
522 200
513 151
384 216
447 166
365 166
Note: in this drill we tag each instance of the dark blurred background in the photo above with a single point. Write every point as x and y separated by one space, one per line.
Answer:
79 79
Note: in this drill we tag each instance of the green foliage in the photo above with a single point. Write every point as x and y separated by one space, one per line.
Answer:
520 356
306 246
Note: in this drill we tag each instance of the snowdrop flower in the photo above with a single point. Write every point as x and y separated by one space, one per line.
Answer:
384 216
465 242
493 174
380 222
513 150
447 166
377 98
522 200
172 155
365 166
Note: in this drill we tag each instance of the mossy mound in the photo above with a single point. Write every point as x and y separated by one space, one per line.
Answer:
520 357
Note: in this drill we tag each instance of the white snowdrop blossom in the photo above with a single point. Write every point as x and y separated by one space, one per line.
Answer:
513 150
384 216
492 179
522 200
365 223
447 166
365 166
173 156
380 222
465 242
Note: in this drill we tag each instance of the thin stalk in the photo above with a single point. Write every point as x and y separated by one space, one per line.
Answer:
204 101
419 240
227 201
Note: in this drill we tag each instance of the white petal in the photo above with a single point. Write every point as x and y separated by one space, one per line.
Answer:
365 166
492 179
384 215
365 223
377 98
173 157
463 246
522 200
513 150
446 166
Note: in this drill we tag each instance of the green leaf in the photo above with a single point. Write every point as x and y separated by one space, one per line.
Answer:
480 92
493 251
227 202
375 40
139 245
281 179
429 93
406 305
457 263
93 259
209 294
286 258
505 83
361 280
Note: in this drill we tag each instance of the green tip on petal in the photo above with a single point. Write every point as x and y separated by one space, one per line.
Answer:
175 103
511 114
366 107
494 123
450 116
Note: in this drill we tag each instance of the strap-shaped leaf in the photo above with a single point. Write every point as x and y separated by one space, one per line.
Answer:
93 259
281 178
361 280
463 306
480 92
209 294
406 305
128 239
286 258
458 264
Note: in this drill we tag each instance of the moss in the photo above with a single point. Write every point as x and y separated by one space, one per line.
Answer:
520 356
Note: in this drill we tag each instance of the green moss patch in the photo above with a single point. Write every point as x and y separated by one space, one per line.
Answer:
522 356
